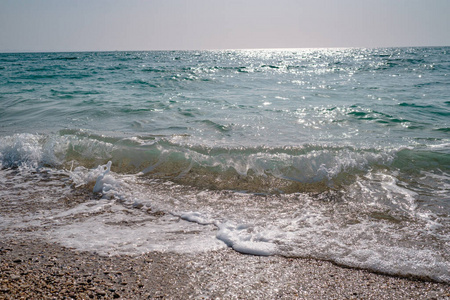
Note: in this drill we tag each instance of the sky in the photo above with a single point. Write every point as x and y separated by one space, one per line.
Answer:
109 25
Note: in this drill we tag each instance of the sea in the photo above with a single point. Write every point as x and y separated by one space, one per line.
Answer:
340 154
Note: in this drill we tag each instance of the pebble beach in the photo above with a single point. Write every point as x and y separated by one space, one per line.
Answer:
33 269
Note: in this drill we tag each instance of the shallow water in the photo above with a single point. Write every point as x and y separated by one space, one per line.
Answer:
335 154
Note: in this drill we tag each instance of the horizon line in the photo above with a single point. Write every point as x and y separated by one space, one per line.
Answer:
214 49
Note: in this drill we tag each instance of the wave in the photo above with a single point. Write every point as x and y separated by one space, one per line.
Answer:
255 169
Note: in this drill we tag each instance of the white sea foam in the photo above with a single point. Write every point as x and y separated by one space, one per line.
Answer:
129 231
104 183
21 150
241 239
197 218
134 215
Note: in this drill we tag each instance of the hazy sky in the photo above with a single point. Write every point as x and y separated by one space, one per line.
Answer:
82 25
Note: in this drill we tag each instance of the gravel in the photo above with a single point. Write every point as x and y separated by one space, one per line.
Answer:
36 269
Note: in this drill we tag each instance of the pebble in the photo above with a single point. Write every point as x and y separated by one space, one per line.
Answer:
100 292
14 277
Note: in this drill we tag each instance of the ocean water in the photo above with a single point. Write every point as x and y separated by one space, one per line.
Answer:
334 154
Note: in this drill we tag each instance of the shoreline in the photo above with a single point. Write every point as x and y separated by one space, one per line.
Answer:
33 268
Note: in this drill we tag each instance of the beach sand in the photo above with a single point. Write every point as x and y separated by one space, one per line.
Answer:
35 269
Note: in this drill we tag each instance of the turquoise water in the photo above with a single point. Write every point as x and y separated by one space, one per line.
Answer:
336 154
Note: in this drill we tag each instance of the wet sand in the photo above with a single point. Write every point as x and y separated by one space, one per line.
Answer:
35 269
